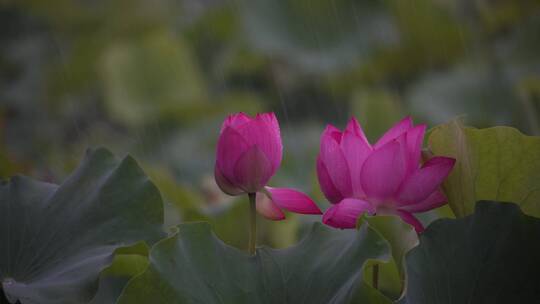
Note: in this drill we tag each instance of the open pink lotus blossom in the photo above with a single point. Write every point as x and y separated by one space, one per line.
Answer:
249 153
385 178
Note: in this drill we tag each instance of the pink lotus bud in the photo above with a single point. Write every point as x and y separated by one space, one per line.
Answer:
249 153
385 178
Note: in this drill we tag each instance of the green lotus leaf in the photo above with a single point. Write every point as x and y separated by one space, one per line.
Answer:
194 266
488 257
57 239
499 164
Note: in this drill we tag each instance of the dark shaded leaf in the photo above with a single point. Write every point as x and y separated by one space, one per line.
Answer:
194 266
57 239
488 257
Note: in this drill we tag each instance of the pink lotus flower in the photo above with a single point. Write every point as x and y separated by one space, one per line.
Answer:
385 178
249 153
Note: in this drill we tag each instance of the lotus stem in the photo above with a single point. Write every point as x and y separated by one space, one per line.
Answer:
252 223
376 276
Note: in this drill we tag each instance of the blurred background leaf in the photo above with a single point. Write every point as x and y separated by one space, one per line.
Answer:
319 36
154 78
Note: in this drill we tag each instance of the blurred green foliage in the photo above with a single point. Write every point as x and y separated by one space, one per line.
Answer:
155 78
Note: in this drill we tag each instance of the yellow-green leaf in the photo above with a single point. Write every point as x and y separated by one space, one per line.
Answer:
499 163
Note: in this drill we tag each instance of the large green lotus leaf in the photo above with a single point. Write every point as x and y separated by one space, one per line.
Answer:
499 164
193 266
488 257
57 239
